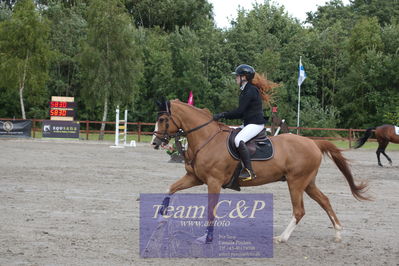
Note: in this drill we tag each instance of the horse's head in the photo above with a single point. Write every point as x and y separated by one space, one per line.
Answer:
165 127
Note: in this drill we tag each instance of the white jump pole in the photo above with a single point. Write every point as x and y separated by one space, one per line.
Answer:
278 129
125 129
117 127
117 121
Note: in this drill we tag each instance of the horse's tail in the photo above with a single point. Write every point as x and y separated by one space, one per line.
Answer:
335 154
362 140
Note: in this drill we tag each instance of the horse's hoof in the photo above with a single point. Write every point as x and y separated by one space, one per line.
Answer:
201 239
337 239
278 239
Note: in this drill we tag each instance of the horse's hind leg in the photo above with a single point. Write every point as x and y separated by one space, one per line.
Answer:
389 159
382 144
296 192
313 191
382 148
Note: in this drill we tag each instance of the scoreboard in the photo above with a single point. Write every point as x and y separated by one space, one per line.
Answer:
62 108
62 115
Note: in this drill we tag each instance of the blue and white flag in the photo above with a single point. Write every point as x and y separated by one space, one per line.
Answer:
302 74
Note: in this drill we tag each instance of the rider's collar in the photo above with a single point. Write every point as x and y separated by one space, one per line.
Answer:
243 85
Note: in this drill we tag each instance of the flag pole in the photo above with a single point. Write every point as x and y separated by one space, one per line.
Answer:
299 101
299 106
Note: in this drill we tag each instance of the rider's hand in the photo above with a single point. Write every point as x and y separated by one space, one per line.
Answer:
218 116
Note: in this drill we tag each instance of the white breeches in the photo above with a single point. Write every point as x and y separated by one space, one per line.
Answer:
247 133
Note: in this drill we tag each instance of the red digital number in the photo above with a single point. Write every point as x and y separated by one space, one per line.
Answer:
56 112
58 104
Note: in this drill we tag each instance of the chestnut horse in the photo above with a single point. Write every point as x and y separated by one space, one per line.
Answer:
208 161
384 135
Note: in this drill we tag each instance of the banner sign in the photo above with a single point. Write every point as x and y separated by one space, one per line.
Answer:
60 129
242 228
15 128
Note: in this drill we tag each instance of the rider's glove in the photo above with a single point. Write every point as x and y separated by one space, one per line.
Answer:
218 116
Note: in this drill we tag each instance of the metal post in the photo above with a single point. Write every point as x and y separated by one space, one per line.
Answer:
299 106
34 127
87 129
117 126
125 129
139 131
350 138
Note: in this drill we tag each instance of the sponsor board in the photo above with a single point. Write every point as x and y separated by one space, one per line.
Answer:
60 129
15 128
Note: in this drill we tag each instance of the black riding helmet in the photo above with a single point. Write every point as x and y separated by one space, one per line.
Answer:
245 70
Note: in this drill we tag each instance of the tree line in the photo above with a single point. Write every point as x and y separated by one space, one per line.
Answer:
131 52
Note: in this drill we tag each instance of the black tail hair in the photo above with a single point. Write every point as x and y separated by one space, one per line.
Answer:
362 140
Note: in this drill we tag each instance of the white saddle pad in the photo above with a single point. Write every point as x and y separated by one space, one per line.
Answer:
396 130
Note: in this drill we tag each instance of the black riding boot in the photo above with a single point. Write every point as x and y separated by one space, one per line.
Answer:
247 172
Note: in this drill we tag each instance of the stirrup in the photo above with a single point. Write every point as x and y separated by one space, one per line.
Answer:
247 175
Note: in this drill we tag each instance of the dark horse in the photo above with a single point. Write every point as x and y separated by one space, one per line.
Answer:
384 135
208 161
277 122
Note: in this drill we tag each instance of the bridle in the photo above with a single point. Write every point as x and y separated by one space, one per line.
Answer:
181 133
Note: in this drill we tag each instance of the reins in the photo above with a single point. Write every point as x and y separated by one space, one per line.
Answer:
182 133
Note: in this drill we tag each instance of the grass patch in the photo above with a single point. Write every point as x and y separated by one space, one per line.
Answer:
107 137
147 138
368 145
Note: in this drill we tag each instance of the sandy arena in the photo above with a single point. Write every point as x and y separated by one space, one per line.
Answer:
67 202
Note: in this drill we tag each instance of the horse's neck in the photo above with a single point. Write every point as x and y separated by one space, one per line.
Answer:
191 118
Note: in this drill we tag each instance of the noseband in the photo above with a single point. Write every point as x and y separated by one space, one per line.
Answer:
180 132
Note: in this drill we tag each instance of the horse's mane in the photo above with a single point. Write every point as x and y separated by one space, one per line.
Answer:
204 111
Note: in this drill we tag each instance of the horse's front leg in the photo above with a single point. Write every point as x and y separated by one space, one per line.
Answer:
214 187
186 181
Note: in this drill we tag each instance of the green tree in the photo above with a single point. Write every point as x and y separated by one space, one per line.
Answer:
158 75
110 58
25 53
187 64
384 10
68 29
331 13
365 35
168 14
5 11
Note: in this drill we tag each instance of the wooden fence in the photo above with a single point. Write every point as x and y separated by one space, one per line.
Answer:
142 128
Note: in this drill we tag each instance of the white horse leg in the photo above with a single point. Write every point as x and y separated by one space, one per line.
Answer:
338 229
287 232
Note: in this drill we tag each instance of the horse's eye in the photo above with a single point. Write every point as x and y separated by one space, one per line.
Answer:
161 120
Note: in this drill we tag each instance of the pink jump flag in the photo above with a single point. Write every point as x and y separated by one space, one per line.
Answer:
190 100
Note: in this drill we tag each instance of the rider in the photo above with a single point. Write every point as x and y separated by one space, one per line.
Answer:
254 88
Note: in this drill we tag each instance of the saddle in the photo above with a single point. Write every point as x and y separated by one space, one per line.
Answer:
260 148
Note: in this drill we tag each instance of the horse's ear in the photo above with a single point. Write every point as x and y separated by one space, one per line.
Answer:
161 103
